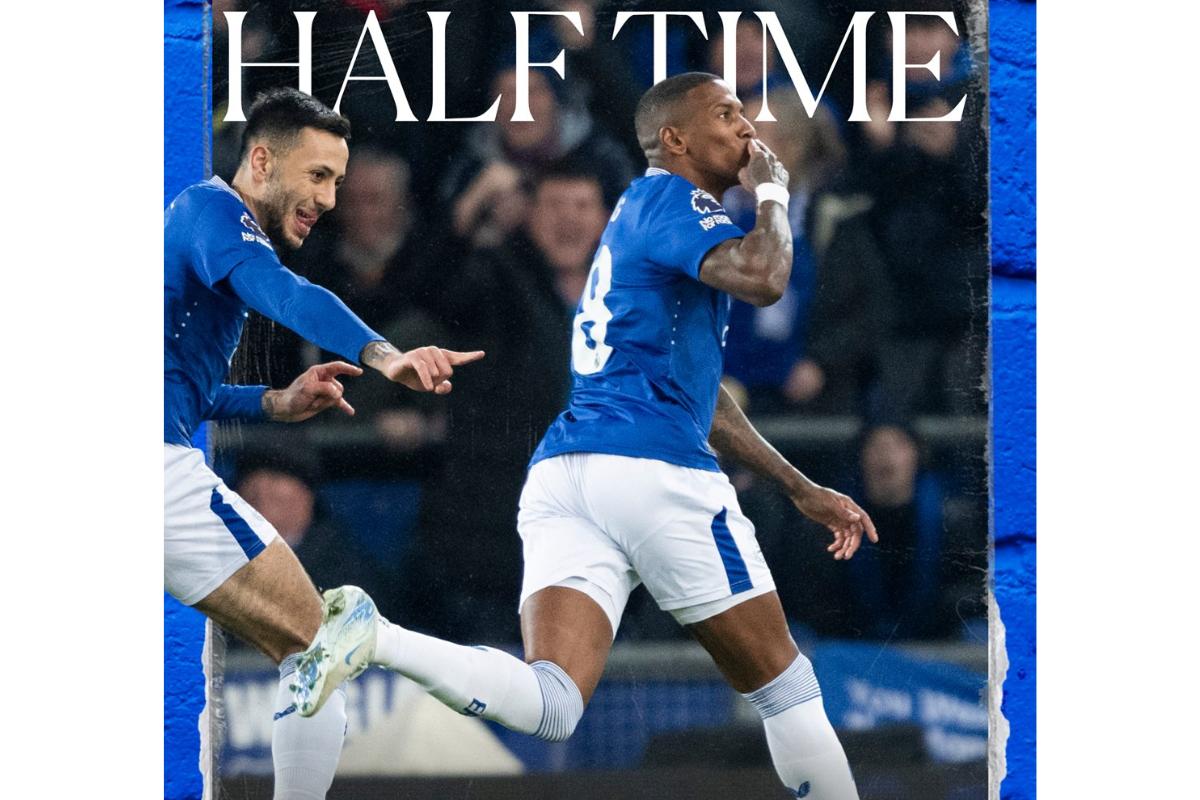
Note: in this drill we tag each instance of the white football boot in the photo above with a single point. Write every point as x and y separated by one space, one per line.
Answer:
341 650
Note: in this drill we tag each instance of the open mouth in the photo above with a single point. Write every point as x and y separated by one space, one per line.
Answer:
305 220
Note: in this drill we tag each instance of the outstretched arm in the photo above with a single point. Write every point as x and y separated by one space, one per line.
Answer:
318 388
423 369
312 311
733 436
319 316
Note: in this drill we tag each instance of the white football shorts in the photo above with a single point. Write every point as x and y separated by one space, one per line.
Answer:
603 524
209 532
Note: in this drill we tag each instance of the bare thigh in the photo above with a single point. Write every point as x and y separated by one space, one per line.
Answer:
569 628
750 642
271 603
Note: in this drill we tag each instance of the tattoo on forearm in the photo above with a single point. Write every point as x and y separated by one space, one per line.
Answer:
377 352
779 241
269 399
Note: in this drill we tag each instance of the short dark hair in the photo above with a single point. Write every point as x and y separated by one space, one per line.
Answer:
576 167
566 169
280 114
301 464
660 103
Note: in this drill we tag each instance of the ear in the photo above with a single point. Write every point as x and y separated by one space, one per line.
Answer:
261 161
672 141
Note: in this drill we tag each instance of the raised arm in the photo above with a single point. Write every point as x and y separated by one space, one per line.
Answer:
734 437
756 268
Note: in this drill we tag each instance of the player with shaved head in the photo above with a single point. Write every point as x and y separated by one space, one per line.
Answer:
625 487
220 555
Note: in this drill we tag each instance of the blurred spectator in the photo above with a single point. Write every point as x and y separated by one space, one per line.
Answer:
753 57
368 261
282 487
600 77
491 206
373 260
896 586
482 187
927 183
813 347
516 302
684 42
852 306
926 38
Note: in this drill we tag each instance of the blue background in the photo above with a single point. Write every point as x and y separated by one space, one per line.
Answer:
1012 96
187 124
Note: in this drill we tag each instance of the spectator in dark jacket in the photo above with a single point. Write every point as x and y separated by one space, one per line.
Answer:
928 187
897 585
814 348
374 258
516 301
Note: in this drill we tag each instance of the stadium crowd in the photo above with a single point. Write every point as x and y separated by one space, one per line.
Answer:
480 236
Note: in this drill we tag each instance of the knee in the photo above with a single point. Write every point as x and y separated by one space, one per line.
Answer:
795 685
562 704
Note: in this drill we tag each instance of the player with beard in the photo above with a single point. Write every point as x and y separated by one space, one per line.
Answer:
220 240
625 488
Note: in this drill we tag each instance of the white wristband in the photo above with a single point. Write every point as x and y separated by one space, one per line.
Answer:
772 191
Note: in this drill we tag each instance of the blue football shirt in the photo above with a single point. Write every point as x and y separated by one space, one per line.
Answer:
648 340
218 263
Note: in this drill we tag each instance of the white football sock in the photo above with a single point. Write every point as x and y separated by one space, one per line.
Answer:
305 750
538 699
804 747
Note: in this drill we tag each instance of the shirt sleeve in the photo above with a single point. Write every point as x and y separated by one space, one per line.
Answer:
685 224
225 235
237 402
227 245
315 313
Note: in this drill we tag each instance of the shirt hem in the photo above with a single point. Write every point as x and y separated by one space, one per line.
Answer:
708 464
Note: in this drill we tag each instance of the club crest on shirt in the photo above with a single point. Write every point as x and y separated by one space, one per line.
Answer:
256 233
705 203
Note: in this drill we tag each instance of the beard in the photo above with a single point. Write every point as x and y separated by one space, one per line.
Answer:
276 208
